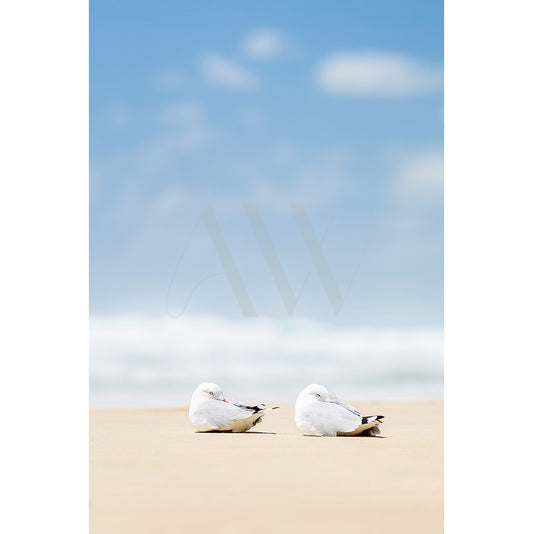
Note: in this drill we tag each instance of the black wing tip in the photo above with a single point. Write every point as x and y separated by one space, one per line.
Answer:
260 408
376 417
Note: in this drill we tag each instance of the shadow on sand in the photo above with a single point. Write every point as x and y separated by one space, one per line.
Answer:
230 432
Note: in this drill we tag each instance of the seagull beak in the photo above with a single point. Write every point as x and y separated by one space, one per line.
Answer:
225 400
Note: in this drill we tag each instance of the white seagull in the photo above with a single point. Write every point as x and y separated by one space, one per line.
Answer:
320 413
211 411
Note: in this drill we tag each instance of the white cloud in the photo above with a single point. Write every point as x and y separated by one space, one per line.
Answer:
316 181
225 72
186 129
263 43
368 73
421 175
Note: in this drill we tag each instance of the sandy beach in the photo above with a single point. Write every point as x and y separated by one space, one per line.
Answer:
151 473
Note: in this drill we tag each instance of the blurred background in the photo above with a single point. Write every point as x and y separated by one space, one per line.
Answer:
209 122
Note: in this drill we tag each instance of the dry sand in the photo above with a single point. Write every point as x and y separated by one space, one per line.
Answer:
150 473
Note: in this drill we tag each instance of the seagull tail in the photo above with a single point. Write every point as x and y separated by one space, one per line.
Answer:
262 410
370 425
372 431
372 418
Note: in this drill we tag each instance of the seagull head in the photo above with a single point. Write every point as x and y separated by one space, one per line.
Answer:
315 392
208 390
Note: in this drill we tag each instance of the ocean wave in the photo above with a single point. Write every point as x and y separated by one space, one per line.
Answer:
158 361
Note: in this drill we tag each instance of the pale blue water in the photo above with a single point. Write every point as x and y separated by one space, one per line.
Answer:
153 362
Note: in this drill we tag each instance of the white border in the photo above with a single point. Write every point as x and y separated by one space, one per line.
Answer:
44 228
488 265
44 282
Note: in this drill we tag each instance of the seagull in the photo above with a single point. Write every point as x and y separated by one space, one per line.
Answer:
211 411
320 413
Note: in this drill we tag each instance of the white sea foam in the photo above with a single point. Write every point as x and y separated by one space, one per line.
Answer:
158 361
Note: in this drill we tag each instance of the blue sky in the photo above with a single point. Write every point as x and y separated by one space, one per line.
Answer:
337 106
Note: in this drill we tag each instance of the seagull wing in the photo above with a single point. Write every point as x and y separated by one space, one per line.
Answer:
249 409
329 418
348 407
215 414
369 426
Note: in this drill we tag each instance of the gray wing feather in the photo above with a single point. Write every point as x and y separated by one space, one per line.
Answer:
330 418
220 414
349 408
